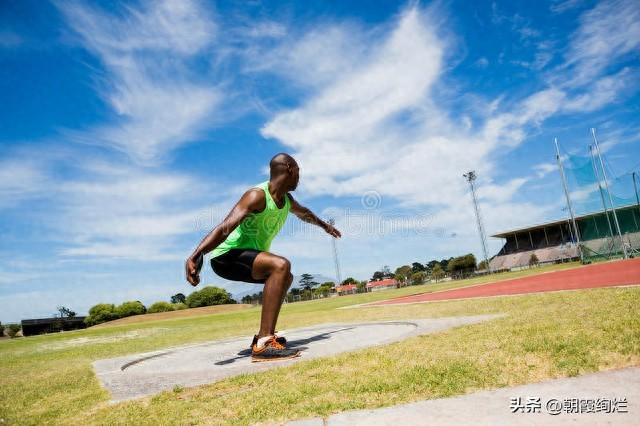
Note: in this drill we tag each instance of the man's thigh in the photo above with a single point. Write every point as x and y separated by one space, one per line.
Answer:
237 265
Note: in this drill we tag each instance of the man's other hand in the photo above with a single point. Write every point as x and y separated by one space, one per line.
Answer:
192 269
331 230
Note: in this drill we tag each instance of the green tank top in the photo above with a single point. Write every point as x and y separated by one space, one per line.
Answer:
257 230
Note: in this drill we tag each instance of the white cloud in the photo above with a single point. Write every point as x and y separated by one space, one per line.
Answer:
544 169
501 193
379 127
159 102
126 214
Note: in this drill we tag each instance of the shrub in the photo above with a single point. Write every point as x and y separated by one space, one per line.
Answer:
533 260
102 312
13 330
418 277
160 307
179 306
209 296
128 309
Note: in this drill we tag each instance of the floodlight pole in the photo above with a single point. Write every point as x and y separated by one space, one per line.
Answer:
635 188
335 254
606 185
566 194
471 177
604 204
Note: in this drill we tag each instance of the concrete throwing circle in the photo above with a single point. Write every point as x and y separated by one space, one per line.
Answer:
145 374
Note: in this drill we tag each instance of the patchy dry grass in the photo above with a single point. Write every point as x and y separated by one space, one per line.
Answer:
543 336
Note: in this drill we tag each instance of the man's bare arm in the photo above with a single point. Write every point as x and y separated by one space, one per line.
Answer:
308 216
252 200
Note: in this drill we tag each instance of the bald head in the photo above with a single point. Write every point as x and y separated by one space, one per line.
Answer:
284 169
280 163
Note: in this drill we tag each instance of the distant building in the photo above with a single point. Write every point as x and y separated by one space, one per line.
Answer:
346 289
31 327
382 284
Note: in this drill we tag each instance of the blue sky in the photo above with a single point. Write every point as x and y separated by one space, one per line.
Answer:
128 130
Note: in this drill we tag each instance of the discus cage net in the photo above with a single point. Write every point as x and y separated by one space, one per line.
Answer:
605 199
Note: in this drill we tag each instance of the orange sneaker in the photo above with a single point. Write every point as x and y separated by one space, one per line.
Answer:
272 351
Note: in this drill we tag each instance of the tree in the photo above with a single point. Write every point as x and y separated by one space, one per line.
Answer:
462 265
437 273
533 260
444 263
1 329
253 299
350 280
325 288
431 264
178 298
127 309
307 282
160 307
417 267
377 276
402 273
361 286
66 312
418 277
483 265
209 296
386 272
102 312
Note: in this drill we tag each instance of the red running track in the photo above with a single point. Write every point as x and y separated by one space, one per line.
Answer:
618 273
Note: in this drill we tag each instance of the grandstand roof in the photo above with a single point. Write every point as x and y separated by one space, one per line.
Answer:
504 234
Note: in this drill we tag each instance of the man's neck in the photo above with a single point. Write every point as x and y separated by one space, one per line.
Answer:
277 189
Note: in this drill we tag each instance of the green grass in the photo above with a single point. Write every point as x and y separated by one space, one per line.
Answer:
49 379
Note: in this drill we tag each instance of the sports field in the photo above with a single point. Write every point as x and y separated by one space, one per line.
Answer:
49 379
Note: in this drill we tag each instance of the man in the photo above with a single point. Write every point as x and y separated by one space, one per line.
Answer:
240 249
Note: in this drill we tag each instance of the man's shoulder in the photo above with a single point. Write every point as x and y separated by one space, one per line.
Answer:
256 198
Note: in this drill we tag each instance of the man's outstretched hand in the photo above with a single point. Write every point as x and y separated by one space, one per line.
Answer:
332 231
192 269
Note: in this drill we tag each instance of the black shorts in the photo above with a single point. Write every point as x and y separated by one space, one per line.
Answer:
236 265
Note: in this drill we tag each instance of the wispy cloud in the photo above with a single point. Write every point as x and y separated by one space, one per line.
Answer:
607 33
379 126
19 181
158 101
561 6
122 213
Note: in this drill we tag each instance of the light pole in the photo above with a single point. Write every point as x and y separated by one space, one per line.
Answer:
335 254
471 177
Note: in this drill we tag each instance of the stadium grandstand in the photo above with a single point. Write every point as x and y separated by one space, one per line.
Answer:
554 242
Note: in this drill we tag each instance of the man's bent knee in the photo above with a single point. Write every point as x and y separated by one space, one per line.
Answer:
282 265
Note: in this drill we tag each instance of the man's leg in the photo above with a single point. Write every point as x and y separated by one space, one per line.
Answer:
277 271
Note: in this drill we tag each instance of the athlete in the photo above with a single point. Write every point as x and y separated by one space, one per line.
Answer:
239 247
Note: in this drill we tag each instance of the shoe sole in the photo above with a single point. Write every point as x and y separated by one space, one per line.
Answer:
280 358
